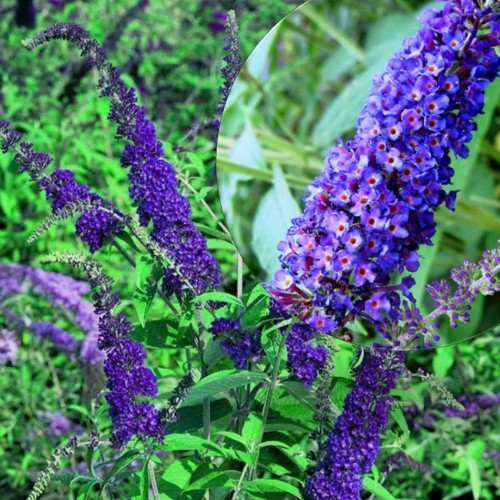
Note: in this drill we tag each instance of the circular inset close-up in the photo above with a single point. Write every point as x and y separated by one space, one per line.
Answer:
358 167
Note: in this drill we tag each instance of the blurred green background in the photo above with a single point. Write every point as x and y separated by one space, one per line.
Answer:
301 89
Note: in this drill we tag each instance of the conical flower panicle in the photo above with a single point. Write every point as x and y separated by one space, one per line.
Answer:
373 205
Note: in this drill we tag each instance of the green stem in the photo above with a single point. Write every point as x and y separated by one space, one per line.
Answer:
223 228
152 480
269 396
200 346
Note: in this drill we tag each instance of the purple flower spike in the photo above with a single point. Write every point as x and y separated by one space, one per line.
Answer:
373 204
153 180
353 445
8 347
97 222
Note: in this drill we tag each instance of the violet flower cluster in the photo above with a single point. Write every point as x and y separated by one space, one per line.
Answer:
472 405
472 279
218 21
304 359
65 294
243 346
25 14
97 222
60 425
450 299
353 445
400 460
373 205
127 378
8 346
153 181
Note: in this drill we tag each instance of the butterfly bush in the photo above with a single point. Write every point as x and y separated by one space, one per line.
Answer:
365 217
153 181
98 221
127 379
353 445
372 207
153 188
65 294
243 346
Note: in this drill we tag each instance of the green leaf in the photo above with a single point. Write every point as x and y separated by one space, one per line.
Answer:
442 361
143 267
474 453
126 459
216 479
89 455
343 359
176 477
300 393
222 381
234 436
202 193
210 231
191 417
144 291
257 60
377 489
474 477
252 430
255 314
272 220
85 491
398 416
341 388
227 298
332 31
142 300
270 486
144 482
197 163
154 333
177 442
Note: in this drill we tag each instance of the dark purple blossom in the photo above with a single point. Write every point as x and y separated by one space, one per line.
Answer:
59 4
304 359
373 205
242 346
400 460
473 404
233 61
492 454
353 445
8 346
219 18
97 222
468 407
153 181
25 14
89 352
127 379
